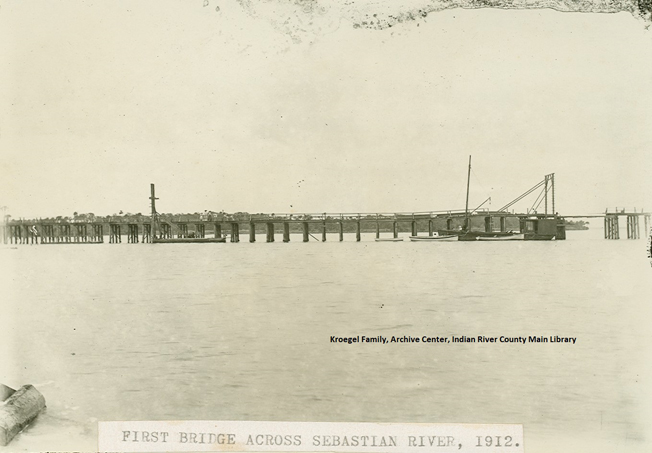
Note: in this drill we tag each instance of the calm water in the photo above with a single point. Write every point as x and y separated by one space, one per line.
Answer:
241 332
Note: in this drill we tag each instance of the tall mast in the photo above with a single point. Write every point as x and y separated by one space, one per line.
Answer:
466 209
153 224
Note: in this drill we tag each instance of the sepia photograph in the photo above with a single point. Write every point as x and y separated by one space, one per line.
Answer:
347 226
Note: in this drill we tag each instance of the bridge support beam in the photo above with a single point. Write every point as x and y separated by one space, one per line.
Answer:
414 228
632 227
147 233
323 232
306 231
200 230
611 227
235 232
132 236
341 231
395 226
218 230
430 230
115 235
487 224
252 232
286 232
182 230
357 231
270 232
503 226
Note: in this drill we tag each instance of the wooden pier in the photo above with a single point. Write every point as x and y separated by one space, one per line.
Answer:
222 227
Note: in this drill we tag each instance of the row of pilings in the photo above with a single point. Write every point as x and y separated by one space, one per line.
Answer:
612 225
34 232
26 232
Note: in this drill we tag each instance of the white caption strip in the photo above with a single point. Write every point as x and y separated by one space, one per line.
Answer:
171 436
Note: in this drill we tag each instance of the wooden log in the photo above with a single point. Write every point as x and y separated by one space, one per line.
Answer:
18 411
395 229
430 229
414 228
341 231
252 232
357 231
323 232
306 231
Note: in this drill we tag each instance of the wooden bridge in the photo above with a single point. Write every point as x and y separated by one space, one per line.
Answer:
315 226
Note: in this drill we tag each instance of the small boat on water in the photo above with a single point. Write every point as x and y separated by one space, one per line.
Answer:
187 240
389 239
434 237
511 237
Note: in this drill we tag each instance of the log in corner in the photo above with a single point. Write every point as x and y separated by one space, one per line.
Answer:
18 410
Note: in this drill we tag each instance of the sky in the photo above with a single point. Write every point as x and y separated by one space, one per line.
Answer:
223 109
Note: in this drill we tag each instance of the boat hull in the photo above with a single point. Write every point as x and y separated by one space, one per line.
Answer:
514 237
189 240
433 238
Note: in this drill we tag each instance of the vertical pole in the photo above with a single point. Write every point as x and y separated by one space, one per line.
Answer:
341 231
306 230
546 196
553 194
218 230
252 232
377 227
323 232
286 232
466 208
606 227
414 228
357 230
395 229
503 226
430 231
153 218
270 232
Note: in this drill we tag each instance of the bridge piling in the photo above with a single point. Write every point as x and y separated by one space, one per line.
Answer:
357 231
323 232
115 235
270 232
252 232
147 233
341 231
632 227
132 233
286 232
200 230
235 232
306 231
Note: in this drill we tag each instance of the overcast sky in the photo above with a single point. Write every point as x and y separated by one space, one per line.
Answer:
225 111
